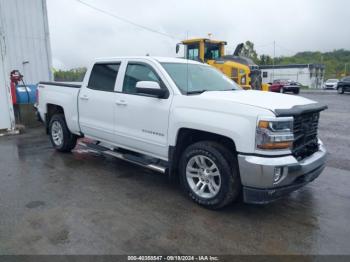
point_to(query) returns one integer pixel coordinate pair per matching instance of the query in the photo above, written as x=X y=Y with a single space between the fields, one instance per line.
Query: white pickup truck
x=187 y=120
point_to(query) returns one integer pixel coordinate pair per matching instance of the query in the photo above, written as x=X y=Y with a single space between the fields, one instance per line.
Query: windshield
x=191 y=78
x=332 y=80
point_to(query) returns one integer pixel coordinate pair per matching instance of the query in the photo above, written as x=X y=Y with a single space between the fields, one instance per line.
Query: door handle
x=84 y=97
x=121 y=103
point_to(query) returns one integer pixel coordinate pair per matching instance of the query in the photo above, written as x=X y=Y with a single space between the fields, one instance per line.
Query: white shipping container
x=25 y=46
x=310 y=75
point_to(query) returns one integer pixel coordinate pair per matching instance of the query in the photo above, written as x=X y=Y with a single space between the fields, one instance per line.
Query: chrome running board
x=154 y=164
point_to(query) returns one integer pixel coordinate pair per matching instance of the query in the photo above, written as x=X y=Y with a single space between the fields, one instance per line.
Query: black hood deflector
x=301 y=109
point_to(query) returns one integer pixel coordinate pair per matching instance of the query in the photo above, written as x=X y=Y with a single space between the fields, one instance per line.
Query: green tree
x=72 y=75
x=265 y=60
x=249 y=51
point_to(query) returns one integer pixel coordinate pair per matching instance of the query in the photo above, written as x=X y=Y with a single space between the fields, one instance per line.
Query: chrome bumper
x=257 y=175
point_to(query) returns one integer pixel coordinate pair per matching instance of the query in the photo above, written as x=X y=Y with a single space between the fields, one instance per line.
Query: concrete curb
x=9 y=132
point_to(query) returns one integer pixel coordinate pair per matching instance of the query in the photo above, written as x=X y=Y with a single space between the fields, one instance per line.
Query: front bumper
x=257 y=175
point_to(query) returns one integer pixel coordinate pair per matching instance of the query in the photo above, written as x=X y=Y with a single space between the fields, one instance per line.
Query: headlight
x=275 y=133
x=243 y=80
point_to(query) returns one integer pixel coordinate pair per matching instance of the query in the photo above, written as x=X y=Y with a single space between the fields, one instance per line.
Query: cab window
x=135 y=73
x=193 y=52
x=212 y=51
x=103 y=77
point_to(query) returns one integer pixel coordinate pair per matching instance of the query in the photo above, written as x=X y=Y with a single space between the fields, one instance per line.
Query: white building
x=311 y=75
x=24 y=46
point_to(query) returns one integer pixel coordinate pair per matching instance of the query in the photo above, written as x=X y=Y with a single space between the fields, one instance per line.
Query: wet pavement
x=83 y=203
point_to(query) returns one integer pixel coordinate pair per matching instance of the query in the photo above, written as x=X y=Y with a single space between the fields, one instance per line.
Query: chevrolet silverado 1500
x=188 y=120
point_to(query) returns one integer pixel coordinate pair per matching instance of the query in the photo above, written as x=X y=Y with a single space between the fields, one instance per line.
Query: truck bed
x=60 y=94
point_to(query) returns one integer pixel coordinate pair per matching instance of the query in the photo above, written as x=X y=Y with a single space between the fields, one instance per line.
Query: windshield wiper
x=195 y=92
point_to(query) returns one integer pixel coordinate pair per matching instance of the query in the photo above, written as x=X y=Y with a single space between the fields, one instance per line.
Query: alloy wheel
x=57 y=133
x=203 y=176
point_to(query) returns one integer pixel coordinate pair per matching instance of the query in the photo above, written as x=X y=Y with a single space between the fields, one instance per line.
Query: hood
x=267 y=100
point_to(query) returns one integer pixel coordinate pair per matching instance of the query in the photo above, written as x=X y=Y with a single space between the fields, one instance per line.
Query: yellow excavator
x=240 y=69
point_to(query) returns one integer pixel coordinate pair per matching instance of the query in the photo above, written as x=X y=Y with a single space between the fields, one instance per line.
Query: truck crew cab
x=187 y=119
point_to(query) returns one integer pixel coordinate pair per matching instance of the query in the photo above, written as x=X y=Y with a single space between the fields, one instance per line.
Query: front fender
x=238 y=127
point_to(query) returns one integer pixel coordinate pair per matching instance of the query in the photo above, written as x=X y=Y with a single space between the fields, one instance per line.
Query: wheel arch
x=51 y=110
x=188 y=136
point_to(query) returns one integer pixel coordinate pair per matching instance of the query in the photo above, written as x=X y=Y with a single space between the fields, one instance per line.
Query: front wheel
x=209 y=174
x=340 y=90
x=61 y=138
x=297 y=91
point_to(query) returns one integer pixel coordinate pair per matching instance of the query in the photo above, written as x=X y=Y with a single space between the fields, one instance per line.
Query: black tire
x=69 y=140
x=340 y=90
x=227 y=165
x=296 y=91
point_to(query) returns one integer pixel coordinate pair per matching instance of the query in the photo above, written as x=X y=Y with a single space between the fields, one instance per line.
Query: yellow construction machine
x=240 y=69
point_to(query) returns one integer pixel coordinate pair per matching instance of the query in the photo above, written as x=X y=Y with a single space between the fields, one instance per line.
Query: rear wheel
x=340 y=90
x=209 y=174
x=61 y=138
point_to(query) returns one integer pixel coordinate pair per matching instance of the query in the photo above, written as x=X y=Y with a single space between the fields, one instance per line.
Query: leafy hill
x=336 y=62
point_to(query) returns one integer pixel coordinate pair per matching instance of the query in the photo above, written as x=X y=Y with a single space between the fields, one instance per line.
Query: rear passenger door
x=97 y=101
x=142 y=121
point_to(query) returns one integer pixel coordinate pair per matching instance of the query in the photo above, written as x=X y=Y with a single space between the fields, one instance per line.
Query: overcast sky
x=79 y=33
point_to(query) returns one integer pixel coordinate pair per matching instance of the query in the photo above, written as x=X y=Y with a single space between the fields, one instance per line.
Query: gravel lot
x=81 y=203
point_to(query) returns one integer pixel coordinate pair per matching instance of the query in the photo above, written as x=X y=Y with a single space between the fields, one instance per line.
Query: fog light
x=277 y=174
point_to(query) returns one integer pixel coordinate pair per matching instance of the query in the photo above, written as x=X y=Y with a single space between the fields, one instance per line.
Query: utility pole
x=345 y=68
x=273 y=61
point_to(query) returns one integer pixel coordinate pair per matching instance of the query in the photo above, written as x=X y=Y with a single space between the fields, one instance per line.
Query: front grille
x=305 y=135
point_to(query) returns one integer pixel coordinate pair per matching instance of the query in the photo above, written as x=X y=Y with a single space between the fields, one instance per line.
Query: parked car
x=331 y=84
x=188 y=120
x=344 y=85
x=284 y=86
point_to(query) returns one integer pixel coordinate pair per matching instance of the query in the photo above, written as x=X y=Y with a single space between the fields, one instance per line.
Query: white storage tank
x=24 y=46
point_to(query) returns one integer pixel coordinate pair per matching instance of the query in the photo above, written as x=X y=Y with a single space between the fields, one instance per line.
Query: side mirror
x=177 y=48
x=150 y=88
